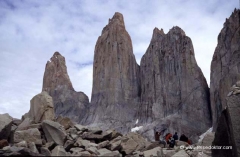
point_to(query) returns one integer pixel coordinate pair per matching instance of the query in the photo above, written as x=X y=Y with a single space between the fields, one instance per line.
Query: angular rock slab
x=59 y=151
x=54 y=132
x=41 y=108
x=30 y=135
x=5 y=125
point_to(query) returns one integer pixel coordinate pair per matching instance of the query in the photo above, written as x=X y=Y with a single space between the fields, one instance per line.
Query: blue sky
x=31 y=31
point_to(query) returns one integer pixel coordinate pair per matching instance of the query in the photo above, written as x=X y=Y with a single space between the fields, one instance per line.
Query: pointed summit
x=56 y=82
x=157 y=34
x=56 y=75
x=117 y=21
x=118 y=16
x=177 y=30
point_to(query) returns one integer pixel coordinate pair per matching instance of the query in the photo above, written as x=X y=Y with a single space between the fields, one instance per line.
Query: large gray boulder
x=5 y=125
x=41 y=108
x=56 y=82
x=54 y=132
x=116 y=84
x=225 y=66
x=30 y=135
x=173 y=87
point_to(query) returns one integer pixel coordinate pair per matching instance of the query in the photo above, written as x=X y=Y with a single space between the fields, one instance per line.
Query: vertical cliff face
x=116 y=86
x=67 y=102
x=225 y=66
x=174 y=92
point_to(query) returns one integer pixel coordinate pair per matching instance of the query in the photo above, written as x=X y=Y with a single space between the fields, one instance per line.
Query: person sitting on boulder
x=175 y=136
x=171 y=142
x=183 y=138
x=168 y=136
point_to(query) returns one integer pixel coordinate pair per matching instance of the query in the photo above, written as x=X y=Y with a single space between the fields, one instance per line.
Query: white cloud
x=31 y=31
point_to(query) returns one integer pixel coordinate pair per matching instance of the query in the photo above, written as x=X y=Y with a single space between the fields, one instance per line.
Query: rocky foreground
x=61 y=137
x=39 y=133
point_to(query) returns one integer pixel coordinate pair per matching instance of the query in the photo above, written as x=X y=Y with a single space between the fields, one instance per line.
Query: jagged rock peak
x=173 y=85
x=118 y=16
x=157 y=33
x=234 y=16
x=117 y=19
x=56 y=73
x=176 y=30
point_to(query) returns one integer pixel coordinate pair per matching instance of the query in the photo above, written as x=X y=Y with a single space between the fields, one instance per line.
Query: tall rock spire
x=116 y=85
x=174 y=92
x=225 y=66
x=67 y=102
x=55 y=74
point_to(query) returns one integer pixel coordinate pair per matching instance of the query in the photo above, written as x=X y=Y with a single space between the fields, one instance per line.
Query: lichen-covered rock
x=172 y=85
x=41 y=108
x=115 y=78
x=225 y=66
x=56 y=82
x=5 y=125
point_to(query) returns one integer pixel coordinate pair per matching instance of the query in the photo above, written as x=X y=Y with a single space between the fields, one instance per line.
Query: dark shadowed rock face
x=115 y=77
x=228 y=128
x=225 y=66
x=174 y=92
x=67 y=102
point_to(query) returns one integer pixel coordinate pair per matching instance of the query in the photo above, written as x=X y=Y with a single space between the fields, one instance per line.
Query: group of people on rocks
x=169 y=138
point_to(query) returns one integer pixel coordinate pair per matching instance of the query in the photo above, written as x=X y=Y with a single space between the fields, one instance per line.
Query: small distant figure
x=157 y=136
x=171 y=142
x=167 y=137
x=175 y=136
x=183 y=138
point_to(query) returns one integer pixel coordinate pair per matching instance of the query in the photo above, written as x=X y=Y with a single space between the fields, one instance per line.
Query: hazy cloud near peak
x=32 y=30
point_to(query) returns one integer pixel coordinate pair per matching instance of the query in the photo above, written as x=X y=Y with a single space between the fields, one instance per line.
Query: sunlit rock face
x=116 y=85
